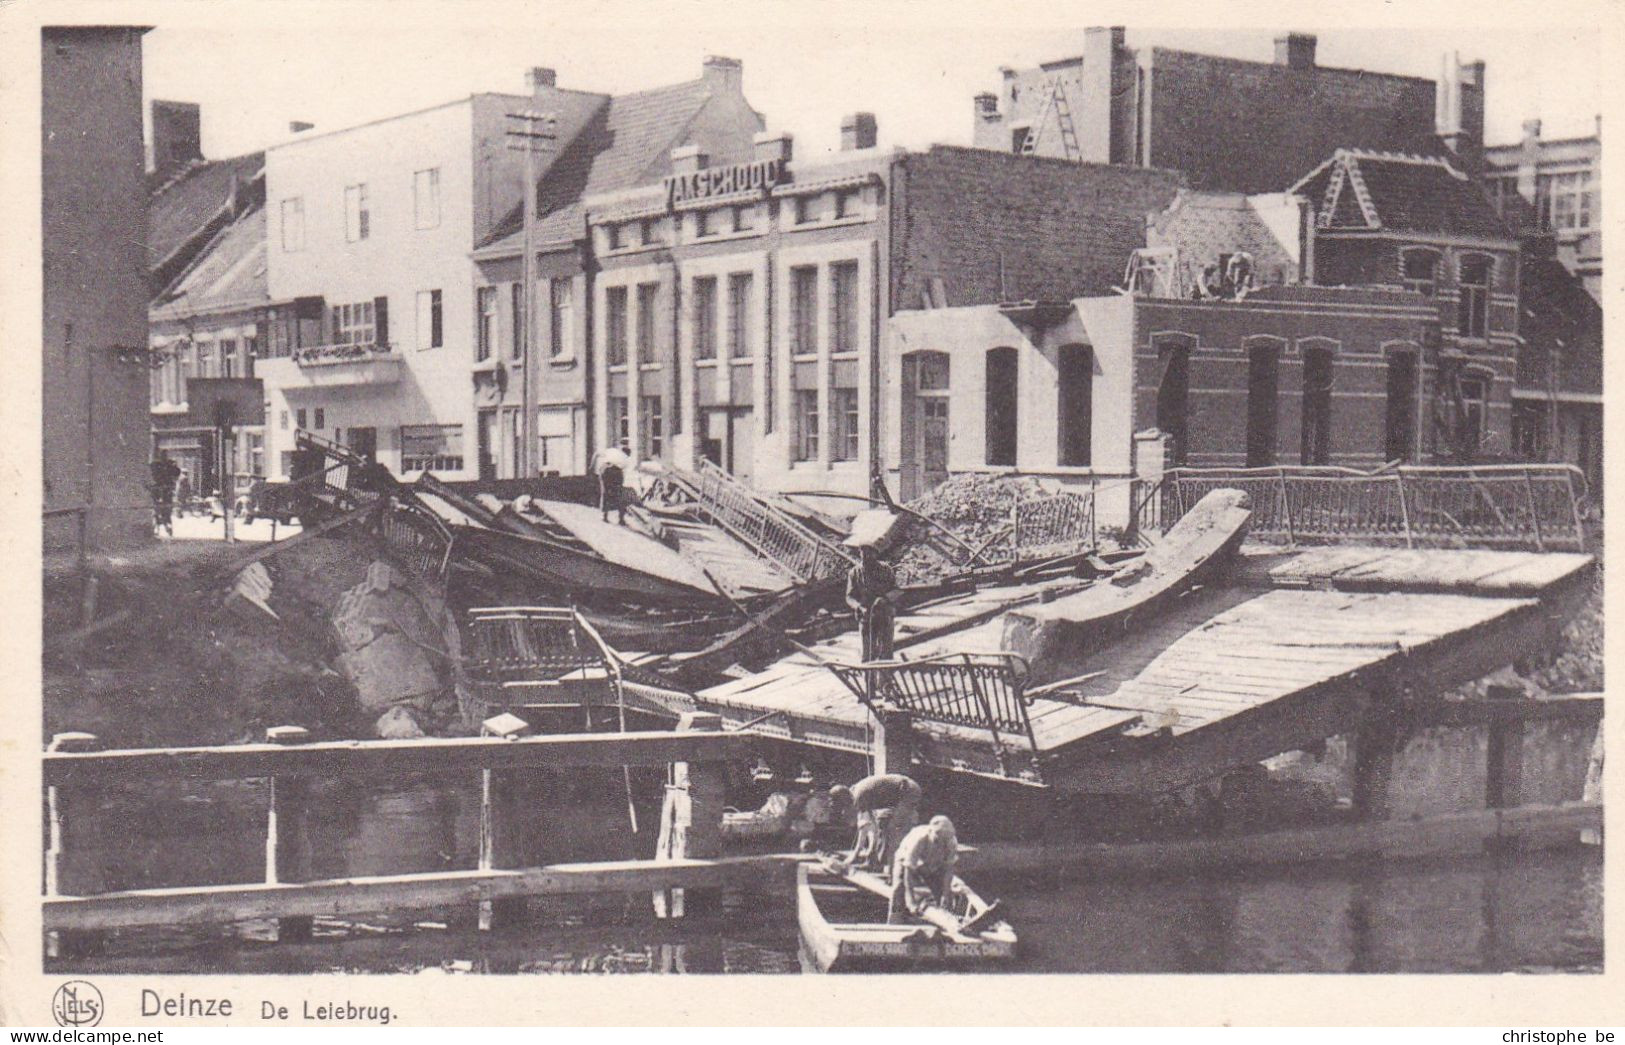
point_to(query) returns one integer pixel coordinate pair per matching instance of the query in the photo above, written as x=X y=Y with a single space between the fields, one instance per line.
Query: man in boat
x=922 y=872
x=611 y=468
x=887 y=807
x=869 y=586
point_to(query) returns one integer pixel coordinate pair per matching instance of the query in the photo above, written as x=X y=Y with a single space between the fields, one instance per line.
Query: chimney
x=1460 y=111
x=299 y=126
x=541 y=76
x=858 y=131
x=177 y=135
x=724 y=74
x=1097 y=83
x=1295 y=50
x=686 y=159
x=773 y=145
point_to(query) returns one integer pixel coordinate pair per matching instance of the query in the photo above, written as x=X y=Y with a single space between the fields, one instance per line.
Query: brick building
x=1242 y=126
x=94 y=397
x=1422 y=224
x=739 y=308
x=617 y=143
x=1553 y=186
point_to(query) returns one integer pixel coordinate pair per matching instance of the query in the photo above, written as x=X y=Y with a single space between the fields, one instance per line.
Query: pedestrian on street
x=165 y=473
x=183 y=493
x=611 y=468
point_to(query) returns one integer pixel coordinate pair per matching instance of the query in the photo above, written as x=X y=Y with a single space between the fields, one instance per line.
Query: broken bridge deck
x=1281 y=650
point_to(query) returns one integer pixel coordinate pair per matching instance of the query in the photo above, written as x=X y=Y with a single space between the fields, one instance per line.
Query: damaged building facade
x=741 y=309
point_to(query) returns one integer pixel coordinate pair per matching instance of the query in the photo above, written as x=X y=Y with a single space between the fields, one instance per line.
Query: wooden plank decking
x=1279 y=638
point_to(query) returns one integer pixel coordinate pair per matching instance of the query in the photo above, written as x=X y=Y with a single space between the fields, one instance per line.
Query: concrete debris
x=250 y=591
x=398 y=723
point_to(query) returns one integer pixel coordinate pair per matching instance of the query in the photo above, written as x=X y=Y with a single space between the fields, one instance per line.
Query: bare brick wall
x=1056 y=229
x=1257 y=127
x=1217 y=417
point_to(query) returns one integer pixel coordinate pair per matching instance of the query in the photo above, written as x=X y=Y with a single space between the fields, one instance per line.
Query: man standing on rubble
x=869 y=585
x=611 y=468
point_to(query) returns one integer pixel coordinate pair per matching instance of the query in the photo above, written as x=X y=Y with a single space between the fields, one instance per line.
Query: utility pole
x=530 y=131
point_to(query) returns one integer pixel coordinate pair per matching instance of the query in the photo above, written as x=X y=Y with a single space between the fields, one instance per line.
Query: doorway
x=1074 y=408
x=486 y=440
x=1173 y=396
x=1317 y=407
x=725 y=440
x=923 y=433
x=1401 y=420
x=363 y=442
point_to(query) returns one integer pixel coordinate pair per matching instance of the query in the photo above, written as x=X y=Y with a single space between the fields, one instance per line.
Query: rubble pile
x=974 y=508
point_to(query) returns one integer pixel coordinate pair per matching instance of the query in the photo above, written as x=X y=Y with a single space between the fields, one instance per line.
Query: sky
x=917 y=65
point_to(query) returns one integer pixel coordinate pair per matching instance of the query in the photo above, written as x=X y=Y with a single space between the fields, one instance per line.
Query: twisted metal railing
x=775 y=536
x=1060 y=524
x=1490 y=506
x=984 y=691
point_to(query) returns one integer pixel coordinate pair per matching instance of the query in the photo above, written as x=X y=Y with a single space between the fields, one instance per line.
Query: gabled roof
x=184 y=206
x=228 y=273
x=627 y=143
x=1399 y=192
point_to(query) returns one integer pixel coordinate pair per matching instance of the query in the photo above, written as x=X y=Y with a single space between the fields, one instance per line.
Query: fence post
x=287 y=841
x=63 y=806
x=504 y=844
x=1286 y=507
x=1574 y=509
x=691 y=819
x=1534 y=510
x=1503 y=778
x=1377 y=744
x=894 y=735
x=1404 y=509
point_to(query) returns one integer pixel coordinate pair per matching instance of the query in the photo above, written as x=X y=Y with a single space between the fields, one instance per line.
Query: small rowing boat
x=840 y=931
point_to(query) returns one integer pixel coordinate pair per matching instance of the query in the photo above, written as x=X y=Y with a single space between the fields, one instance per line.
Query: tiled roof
x=1399 y=192
x=185 y=204
x=229 y=272
x=1557 y=314
x=626 y=143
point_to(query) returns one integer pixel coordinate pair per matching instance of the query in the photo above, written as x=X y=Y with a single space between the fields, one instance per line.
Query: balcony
x=327 y=366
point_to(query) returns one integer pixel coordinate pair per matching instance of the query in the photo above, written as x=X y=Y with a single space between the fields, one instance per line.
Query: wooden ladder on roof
x=1063 y=119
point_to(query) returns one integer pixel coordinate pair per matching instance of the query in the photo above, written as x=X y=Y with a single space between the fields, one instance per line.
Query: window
x=739 y=315
x=620 y=425
x=356 y=217
x=804 y=311
x=1419 y=271
x=649 y=232
x=652 y=425
x=806 y=406
x=646 y=321
x=321 y=419
x=615 y=236
x=847 y=202
x=293 y=225
x=520 y=320
x=1565 y=200
x=431 y=320
x=744 y=217
x=843 y=307
x=1470 y=427
x=807 y=209
x=1075 y=414
x=1317 y=406
x=431 y=448
x=1018 y=139
x=615 y=325
x=228 y=357
x=355 y=324
x=1473 y=304
x=561 y=312
x=1263 y=393
x=844 y=405
x=1401 y=407
x=1001 y=419
x=703 y=224
x=426 y=198
x=486 y=335
x=300 y=417
x=705 y=318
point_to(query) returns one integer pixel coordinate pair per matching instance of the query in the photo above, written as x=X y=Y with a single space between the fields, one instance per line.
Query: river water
x=1507 y=912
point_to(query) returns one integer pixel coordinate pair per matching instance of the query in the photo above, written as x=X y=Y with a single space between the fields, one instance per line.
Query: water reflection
x=1507 y=911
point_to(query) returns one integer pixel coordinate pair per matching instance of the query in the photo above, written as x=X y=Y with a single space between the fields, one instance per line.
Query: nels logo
x=77 y=1004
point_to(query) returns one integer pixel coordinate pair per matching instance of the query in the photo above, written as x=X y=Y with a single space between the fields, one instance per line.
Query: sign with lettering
x=724 y=181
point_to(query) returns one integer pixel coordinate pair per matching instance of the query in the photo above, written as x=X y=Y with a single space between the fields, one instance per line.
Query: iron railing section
x=984 y=691
x=554 y=648
x=1060 y=524
x=343 y=352
x=415 y=537
x=1535 y=507
x=769 y=532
